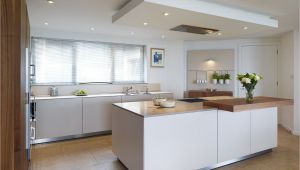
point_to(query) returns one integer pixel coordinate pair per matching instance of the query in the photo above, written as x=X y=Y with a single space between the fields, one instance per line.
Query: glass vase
x=249 y=96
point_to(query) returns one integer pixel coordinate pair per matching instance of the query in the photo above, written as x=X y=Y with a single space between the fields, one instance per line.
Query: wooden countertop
x=239 y=104
x=147 y=109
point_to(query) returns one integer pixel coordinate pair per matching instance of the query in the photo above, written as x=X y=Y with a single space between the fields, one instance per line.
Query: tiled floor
x=95 y=154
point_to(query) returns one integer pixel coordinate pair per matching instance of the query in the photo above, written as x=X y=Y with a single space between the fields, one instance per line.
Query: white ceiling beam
x=125 y=9
x=207 y=8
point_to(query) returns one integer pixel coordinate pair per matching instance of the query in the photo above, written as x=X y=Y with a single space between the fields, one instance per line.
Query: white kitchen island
x=189 y=136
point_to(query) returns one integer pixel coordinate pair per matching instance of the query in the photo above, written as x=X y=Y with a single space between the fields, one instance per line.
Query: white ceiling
x=80 y=15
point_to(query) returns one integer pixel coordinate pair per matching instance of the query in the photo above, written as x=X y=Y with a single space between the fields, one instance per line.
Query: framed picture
x=157 y=57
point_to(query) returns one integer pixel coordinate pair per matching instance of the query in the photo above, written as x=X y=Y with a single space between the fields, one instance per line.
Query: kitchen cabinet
x=263 y=129
x=233 y=135
x=59 y=117
x=97 y=113
x=71 y=115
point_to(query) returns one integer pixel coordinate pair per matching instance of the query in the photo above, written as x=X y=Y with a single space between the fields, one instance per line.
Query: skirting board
x=47 y=140
x=237 y=160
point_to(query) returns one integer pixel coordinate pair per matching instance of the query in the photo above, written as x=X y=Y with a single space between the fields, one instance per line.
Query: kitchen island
x=193 y=135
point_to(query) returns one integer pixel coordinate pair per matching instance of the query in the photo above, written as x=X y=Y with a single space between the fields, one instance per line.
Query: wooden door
x=14 y=29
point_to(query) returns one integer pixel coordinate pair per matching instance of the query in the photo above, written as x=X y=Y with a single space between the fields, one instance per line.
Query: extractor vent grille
x=194 y=29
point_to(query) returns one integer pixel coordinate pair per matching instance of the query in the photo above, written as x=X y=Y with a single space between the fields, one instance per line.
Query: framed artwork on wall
x=157 y=57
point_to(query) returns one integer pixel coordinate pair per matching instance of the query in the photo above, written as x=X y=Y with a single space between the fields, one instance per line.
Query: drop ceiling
x=81 y=15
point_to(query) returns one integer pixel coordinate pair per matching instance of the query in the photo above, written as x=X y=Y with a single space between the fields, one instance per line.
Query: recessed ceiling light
x=219 y=33
x=132 y=33
x=92 y=29
x=145 y=23
x=165 y=14
x=245 y=28
x=50 y=1
x=46 y=23
x=163 y=37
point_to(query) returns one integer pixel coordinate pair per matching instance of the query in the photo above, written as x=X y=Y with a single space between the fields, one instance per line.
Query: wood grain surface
x=14 y=35
x=239 y=104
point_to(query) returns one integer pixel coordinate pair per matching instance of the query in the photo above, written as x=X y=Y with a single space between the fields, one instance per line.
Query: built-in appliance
x=29 y=114
x=192 y=100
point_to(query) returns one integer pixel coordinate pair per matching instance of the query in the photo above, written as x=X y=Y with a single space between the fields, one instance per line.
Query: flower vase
x=249 y=96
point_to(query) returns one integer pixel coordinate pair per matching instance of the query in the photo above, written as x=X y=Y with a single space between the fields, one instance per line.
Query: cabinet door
x=263 y=129
x=97 y=113
x=181 y=141
x=58 y=117
x=233 y=135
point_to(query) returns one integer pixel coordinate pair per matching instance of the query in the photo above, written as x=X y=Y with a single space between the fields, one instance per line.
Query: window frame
x=145 y=64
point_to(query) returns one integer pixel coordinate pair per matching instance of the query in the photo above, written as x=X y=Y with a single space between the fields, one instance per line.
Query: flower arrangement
x=249 y=82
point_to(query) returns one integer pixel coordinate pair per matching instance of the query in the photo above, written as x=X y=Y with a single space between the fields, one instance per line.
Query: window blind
x=128 y=63
x=53 y=60
x=94 y=62
x=65 y=61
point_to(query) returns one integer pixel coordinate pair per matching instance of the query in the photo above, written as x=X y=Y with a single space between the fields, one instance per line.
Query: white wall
x=197 y=60
x=286 y=79
x=171 y=77
x=228 y=44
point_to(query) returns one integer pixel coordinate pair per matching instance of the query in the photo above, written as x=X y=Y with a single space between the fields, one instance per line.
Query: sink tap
x=127 y=90
x=147 y=90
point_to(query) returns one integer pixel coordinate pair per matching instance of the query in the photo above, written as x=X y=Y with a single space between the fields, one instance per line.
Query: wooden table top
x=147 y=109
x=239 y=104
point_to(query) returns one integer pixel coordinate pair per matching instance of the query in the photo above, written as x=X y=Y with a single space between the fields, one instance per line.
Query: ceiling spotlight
x=219 y=33
x=145 y=23
x=165 y=14
x=132 y=33
x=46 y=23
x=245 y=28
x=50 y=1
x=163 y=37
x=92 y=29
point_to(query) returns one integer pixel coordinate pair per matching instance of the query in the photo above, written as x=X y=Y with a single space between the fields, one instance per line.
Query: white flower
x=257 y=78
x=246 y=80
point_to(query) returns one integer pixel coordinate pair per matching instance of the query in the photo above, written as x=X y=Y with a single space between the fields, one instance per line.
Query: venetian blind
x=64 y=61
x=53 y=60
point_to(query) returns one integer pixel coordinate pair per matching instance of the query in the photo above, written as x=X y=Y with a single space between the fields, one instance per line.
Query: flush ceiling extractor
x=194 y=29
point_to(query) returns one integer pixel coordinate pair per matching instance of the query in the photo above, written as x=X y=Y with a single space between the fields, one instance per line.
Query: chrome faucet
x=127 y=90
x=147 y=90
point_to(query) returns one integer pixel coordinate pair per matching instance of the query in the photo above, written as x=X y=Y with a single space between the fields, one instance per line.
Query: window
x=64 y=61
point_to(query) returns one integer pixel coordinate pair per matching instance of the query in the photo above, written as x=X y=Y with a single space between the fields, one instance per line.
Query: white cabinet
x=59 y=117
x=181 y=141
x=97 y=113
x=233 y=135
x=263 y=129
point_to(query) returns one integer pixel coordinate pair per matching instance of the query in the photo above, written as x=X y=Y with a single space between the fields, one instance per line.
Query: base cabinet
x=263 y=129
x=59 y=117
x=233 y=135
x=97 y=113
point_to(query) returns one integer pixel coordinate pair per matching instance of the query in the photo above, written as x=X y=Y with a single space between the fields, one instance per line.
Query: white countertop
x=95 y=95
